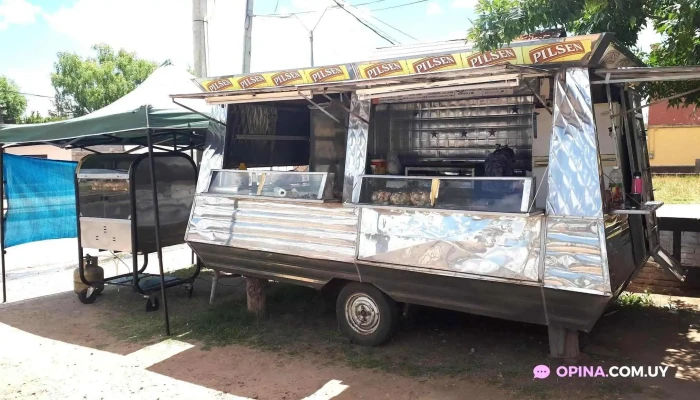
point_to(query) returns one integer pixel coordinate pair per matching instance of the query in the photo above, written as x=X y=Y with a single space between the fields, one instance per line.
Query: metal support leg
x=214 y=282
x=156 y=220
x=2 y=224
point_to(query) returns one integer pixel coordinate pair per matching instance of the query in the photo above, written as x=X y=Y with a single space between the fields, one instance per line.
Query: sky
x=32 y=32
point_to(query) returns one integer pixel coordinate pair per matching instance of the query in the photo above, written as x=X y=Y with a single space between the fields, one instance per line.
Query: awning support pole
x=675 y=96
x=544 y=103
x=199 y=113
x=156 y=220
x=344 y=107
x=319 y=108
x=2 y=223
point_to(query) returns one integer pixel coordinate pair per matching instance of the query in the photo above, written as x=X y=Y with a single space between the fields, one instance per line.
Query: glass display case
x=309 y=186
x=503 y=195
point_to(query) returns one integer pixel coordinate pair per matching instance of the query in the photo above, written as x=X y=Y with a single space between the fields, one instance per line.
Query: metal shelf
x=481 y=128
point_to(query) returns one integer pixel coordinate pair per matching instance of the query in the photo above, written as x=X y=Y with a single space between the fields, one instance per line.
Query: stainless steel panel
x=106 y=234
x=575 y=255
x=214 y=145
x=575 y=175
x=356 y=153
x=454 y=130
x=495 y=246
x=328 y=145
x=327 y=231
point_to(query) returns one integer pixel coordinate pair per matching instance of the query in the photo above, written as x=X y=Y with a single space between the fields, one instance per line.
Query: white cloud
x=17 y=12
x=34 y=81
x=162 y=29
x=433 y=8
x=464 y=3
x=154 y=29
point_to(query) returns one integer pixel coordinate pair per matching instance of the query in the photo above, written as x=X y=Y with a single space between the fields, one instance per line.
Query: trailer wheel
x=366 y=315
x=85 y=298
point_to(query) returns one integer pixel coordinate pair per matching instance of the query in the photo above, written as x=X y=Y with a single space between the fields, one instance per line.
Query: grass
x=301 y=324
x=677 y=189
x=635 y=301
x=431 y=344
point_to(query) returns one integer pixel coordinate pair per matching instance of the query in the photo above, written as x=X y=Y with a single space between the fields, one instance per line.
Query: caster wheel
x=152 y=304
x=366 y=315
x=86 y=298
x=189 y=288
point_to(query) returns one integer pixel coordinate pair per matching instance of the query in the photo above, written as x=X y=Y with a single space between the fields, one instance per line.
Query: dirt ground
x=297 y=349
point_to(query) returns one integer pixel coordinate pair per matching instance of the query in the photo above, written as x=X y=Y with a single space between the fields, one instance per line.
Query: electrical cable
x=400 y=5
x=273 y=15
x=364 y=23
x=35 y=95
x=396 y=29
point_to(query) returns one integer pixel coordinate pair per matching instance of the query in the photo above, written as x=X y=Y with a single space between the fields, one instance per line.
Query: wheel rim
x=362 y=314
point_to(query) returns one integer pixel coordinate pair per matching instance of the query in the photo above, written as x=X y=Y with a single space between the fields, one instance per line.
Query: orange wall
x=673 y=145
x=51 y=152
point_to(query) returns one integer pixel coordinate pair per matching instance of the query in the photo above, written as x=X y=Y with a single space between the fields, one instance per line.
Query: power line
x=274 y=15
x=399 y=5
x=394 y=28
x=36 y=95
x=364 y=23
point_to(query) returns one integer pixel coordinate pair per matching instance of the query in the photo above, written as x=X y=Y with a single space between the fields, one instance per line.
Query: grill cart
x=400 y=204
x=115 y=212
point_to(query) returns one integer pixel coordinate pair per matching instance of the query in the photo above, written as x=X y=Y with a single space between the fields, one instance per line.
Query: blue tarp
x=40 y=199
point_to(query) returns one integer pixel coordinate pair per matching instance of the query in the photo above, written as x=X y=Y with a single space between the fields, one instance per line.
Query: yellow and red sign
x=568 y=50
x=506 y=55
x=435 y=63
x=561 y=50
x=382 y=69
x=333 y=73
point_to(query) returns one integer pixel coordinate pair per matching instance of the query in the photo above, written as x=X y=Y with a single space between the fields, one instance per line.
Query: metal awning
x=470 y=78
x=646 y=74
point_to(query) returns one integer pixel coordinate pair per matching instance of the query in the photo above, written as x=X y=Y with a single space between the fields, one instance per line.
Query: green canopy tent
x=146 y=117
x=148 y=107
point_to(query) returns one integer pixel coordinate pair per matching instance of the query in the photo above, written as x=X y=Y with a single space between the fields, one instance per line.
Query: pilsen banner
x=576 y=48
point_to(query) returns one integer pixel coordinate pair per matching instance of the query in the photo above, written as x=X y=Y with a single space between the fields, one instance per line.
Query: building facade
x=674 y=138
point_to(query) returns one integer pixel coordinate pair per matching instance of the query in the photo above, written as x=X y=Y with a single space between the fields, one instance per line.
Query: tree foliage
x=12 y=103
x=85 y=85
x=498 y=22
x=35 y=118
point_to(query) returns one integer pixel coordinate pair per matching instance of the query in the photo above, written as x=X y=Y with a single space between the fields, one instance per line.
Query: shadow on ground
x=436 y=353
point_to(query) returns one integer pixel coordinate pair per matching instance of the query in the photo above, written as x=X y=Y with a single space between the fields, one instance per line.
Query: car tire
x=366 y=315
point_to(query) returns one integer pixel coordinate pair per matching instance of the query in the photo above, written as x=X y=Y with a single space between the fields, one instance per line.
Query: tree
x=85 y=85
x=500 y=21
x=12 y=102
x=36 y=118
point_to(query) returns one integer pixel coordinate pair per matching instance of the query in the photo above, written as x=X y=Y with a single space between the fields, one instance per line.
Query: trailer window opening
x=290 y=135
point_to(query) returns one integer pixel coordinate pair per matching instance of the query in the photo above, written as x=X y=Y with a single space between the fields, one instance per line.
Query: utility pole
x=247 y=35
x=311 y=31
x=255 y=287
x=199 y=33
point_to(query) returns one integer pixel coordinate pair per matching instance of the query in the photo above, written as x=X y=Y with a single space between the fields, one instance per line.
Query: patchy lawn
x=677 y=189
x=431 y=343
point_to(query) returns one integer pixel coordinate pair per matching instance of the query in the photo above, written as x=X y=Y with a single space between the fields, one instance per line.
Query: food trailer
x=391 y=195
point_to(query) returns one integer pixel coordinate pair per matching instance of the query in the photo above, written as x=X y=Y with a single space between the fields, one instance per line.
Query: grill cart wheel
x=152 y=303
x=87 y=296
x=189 y=288
x=366 y=315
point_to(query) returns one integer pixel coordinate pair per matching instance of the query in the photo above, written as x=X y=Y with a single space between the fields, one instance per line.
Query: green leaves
x=12 y=103
x=85 y=85
x=500 y=21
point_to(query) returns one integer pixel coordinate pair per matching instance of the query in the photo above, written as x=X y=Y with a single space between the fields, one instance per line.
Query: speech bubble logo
x=541 y=371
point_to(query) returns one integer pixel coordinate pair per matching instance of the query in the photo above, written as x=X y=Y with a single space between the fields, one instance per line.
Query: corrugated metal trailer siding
x=327 y=231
